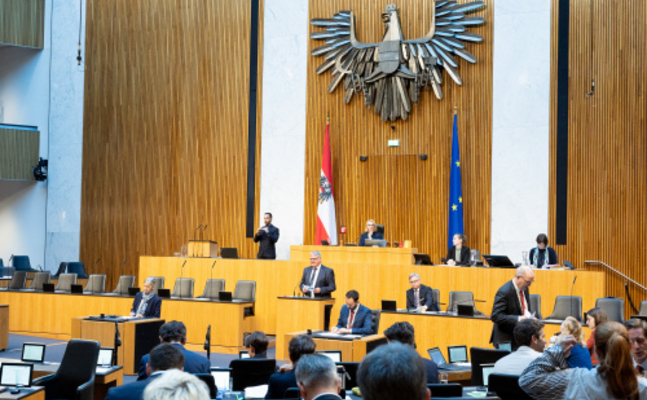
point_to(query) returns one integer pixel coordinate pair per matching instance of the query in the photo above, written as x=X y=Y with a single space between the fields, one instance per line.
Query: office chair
x=21 y=263
x=183 y=288
x=614 y=307
x=18 y=281
x=96 y=284
x=77 y=267
x=212 y=288
x=375 y=320
x=62 y=267
x=65 y=282
x=74 y=379
x=507 y=387
x=535 y=304
x=208 y=380
x=251 y=372
x=567 y=306
x=482 y=355
x=125 y=282
x=7 y=271
x=246 y=291
x=462 y=298
x=39 y=279
x=643 y=308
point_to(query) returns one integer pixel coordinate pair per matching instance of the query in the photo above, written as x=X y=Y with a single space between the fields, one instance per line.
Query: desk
x=298 y=314
x=138 y=338
x=32 y=393
x=355 y=254
x=4 y=282
x=351 y=350
x=4 y=327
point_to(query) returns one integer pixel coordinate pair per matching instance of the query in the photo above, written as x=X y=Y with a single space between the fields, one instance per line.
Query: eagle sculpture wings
x=390 y=74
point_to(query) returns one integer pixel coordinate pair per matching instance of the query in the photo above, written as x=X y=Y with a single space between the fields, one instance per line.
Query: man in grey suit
x=419 y=297
x=318 y=281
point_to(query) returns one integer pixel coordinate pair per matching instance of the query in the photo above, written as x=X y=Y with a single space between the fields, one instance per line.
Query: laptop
x=76 y=289
x=498 y=261
x=33 y=352
x=457 y=354
x=229 y=252
x=15 y=374
x=243 y=354
x=422 y=259
x=132 y=291
x=164 y=293
x=465 y=310
x=222 y=378
x=389 y=305
x=507 y=346
x=486 y=370
x=224 y=296
x=106 y=356
x=375 y=242
x=48 y=287
x=334 y=355
x=325 y=243
x=438 y=357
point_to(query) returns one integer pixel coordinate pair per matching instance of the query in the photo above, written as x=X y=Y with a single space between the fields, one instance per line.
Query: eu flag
x=455 y=190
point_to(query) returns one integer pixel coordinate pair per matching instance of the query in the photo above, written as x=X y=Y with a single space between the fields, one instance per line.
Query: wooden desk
x=4 y=282
x=351 y=350
x=138 y=337
x=4 y=327
x=298 y=314
x=354 y=254
x=32 y=393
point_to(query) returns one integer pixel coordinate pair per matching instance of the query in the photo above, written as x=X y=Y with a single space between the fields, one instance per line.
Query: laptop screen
x=15 y=374
x=457 y=353
x=505 y=346
x=105 y=356
x=242 y=354
x=33 y=352
x=436 y=356
x=334 y=355
x=221 y=376
x=486 y=369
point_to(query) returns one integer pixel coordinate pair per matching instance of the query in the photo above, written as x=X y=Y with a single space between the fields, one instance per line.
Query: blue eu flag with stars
x=455 y=190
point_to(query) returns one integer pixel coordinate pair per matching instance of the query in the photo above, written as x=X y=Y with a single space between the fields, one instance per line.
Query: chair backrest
x=65 y=282
x=61 y=269
x=158 y=282
x=535 y=304
x=7 y=271
x=125 y=281
x=21 y=263
x=614 y=308
x=445 y=389
x=250 y=372
x=77 y=367
x=292 y=393
x=212 y=288
x=506 y=387
x=1 y=263
x=18 y=280
x=435 y=295
x=183 y=288
x=482 y=355
x=380 y=228
x=39 y=279
x=375 y=320
x=462 y=298
x=209 y=380
x=77 y=267
x=245 y=290
x=567 y=306
x=643 y=308
x=96 y=284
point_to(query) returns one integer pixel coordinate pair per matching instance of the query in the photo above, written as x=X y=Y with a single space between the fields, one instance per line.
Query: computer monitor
x=224 y=296
x=334 y=355
x=14 y=374
x=507 y=346
x=49 y=287
x=389 y=305
x=229 y=252
x=486 y=370
x=132 y=291
x=242 y=354
x=106 y=356
x=164 y=293
x=375 y=242
x=498 y=261
x=33 y=352
x=465 y=310
x=222 y=377
x=76 y=289
x=422 y=259
x=457 y=354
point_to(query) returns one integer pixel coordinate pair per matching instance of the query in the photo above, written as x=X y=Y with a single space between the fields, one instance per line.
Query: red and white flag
x=326 y=220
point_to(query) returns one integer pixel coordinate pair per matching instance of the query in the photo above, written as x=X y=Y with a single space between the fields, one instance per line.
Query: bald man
x=511 y=305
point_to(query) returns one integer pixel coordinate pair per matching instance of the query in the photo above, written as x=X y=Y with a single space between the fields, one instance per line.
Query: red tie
x=523 y=303
x=640 y=369
x=352 y=315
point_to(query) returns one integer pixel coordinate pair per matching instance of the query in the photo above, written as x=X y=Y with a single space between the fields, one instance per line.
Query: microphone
x=202 y=239
x=10 y=258
x=568 y=264
x=207 y=342
x=211 y=276
x=572 y=287
x=294 y=293
x=182 y=276
x=117 y=343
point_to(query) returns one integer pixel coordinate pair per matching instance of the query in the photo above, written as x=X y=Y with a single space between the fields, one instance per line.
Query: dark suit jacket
x=505 y=313
x=552 y=257
x=325 y=281
x=364 y=237
x=193 y=363
x=260 y=356
x=267 y=249
x=362 y=323
x=130 y=391
x=153 y=309
x=465 y=255
x=426 y=299
x=432 y=371
x=328 y=396
x=279 y=383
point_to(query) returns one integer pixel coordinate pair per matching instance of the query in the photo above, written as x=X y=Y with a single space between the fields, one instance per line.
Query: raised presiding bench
x=354 y=254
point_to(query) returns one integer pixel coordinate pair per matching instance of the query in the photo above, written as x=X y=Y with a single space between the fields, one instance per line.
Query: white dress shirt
x=516 y=362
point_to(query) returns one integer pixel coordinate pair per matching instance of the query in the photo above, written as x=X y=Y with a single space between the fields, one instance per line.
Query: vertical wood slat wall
x=165 y=128
x=18 y=153
x=607 y=153
x=394 y=187
x=22 y=22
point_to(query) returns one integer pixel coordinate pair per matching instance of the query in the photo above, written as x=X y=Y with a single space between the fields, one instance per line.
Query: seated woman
x=580 y=357
x=146 y=304
x=370 y=234
x=594 y=318
x=542 y=254
x=458 y=254
x=549 y=377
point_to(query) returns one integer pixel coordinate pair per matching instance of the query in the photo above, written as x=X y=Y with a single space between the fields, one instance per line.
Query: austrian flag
x=326 y=219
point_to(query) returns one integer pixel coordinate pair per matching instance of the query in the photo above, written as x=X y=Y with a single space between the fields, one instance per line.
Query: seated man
x=317 y=377
x=393 y=371
x=354 y=317
x=285 y=379
x=404 y=333
x=529 y=335
x=419 y=297
x=637 y=331
x=163 y=357
x=256 y=345
x=174 y=332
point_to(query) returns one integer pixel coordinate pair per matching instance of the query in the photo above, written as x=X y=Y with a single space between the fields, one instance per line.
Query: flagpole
x=455 y=109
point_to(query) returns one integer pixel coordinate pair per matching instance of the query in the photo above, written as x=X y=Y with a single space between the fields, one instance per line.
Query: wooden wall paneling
x=18 y=153
x=22 y=23
x=607 y=171
x=165 y=128
x=394 y=187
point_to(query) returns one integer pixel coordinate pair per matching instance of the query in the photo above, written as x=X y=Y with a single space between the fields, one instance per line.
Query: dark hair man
x=282 y=381
x=403 y=332
x=268 y=235
x=354 y=318
x=529 y=336
x=256 y=345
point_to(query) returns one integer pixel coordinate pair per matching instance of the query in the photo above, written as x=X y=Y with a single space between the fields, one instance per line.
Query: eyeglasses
x=528 y=282
x=414 y=281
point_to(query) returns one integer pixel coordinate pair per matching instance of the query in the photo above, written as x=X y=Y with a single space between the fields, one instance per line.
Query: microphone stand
x=202 y=240
x=211 y=279
x=117 y=343
x=207 y=342
x=572 y=287
x=182 y=277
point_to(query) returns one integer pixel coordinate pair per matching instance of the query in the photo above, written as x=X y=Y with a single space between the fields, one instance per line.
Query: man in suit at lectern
x=318 y=281
x=268 y=235
x=511 y=305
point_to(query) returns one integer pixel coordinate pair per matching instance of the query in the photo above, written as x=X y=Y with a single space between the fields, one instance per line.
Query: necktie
x=416 y=300
x=312 y=276
x=350 y=322
x=523 y=303
x=640 y=369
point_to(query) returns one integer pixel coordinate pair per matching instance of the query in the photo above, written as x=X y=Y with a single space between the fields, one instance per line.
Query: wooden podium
x=138 y=337
x=203 y=249
x=298 y=314
x=351 y=350
x=4 y=327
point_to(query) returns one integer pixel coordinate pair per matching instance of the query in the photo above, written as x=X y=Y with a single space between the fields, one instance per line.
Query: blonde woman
x=371 y=233
x=580 y=357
